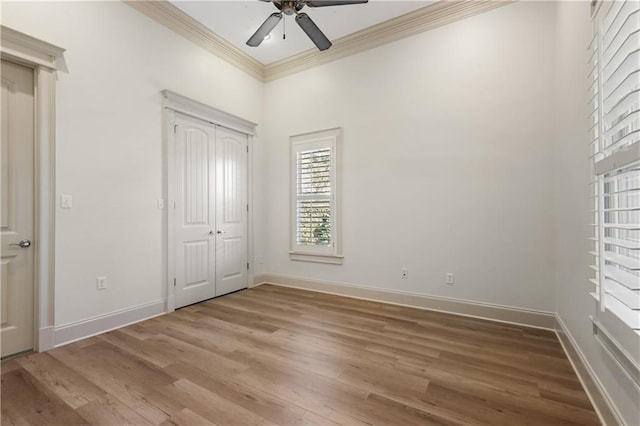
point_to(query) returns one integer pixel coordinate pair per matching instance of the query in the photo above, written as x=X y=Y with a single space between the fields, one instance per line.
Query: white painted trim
x=316 y=257
x=493 y=312
x=176 y=20
x=79 y=330
x=45 y=203
x=174 y=103
x=46 y=337
x=29 y=49
x=251 y=140
x=169 y=118
x=421 y=20
x=602 y=403
x=195 y=109
x=43 y=58
x=171 y=303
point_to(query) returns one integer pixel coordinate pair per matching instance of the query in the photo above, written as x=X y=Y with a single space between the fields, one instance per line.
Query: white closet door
x=194 y=243
x=16 y=217
x=231 y=212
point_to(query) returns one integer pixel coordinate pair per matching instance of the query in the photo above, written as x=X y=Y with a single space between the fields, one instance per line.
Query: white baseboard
x=90 y=327
x=595 y=391
x=46 y=338
x=506 y=314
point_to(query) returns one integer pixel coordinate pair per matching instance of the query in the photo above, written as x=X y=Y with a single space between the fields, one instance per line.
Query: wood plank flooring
x=280 y=356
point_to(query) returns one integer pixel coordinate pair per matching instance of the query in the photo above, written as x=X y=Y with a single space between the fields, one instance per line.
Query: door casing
x=173 y=104
x=45 y=59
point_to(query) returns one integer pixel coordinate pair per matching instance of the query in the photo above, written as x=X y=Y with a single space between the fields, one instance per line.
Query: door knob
x=22 y=244
x=210 y=232
x=219 y=231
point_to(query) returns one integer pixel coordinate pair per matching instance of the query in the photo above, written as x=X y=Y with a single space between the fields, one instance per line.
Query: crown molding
x=176 y=20
x=424 y=19
x=418 y=21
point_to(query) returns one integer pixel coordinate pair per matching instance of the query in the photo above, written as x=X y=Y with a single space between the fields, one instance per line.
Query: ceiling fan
x=302 y=19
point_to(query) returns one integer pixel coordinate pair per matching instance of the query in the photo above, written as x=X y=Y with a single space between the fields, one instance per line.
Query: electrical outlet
x=160 y=204
x=101 y=283
x=450 y=278
x=404 y=273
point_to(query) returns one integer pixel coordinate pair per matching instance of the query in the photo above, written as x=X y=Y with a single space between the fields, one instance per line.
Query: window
x=314 y=197
x=615 y=149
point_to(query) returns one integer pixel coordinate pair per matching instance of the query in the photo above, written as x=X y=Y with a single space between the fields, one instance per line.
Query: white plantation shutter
x=314 y=193
x=621 y=75
x=614 y=140
x=314 y=197
x=621 y=242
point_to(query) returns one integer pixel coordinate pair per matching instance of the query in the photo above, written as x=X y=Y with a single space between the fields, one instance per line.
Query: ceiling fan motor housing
x=291 y=7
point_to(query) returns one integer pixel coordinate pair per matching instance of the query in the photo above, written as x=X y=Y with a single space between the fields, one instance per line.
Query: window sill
x=316 y=258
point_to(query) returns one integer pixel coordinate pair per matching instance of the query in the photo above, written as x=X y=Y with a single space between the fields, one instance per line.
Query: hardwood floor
x=273 y=355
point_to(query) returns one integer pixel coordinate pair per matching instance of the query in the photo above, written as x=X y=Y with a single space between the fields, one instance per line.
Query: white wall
x=574 y=305
x=447 y=159
x=109 y=150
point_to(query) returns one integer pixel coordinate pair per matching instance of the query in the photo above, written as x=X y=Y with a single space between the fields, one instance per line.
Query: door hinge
x=247 y=148
x=174 y=282
x=247 y=266
x=175 y=126
x=247 y=207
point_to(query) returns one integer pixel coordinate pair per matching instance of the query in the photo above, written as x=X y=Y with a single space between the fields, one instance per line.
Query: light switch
x=66 y=201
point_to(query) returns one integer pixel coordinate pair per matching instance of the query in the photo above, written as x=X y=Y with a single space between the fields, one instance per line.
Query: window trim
x=330 y=254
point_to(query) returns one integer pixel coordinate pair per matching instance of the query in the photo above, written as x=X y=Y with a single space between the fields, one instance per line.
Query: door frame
x=45 y=59
x=174 y=103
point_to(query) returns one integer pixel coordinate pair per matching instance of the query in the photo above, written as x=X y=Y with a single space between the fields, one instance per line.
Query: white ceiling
x=236 y=21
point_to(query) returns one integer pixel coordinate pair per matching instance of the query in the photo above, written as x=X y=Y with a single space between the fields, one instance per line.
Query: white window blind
x=614 y=139
x=314 y=197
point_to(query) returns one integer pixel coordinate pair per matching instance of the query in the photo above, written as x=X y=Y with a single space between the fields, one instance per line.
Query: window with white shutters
x=314 y=197
x=313 y=187
x=614 y=139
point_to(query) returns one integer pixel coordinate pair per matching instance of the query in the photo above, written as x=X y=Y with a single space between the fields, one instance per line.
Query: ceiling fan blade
x=264 y=30
x=324 y=3
x=312 y=30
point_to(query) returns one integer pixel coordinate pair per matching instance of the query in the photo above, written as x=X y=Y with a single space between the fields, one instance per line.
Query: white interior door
x=231 y=211
x=210 y=175
x=16 y=209
x=194 y=242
